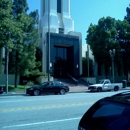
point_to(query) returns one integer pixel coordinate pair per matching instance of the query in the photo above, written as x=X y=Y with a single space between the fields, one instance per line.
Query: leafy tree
x=127 y=17
x=124 y=38
x=24 y=52
x=123 y=28
x=8 y=27
x=102 y=38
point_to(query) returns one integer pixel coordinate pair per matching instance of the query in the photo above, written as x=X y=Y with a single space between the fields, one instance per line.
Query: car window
x=109 y=109
x=45 y=83
x=107 y=115
x=51 y=84
x=101 y=81
x=57 y=83
x=107 y=82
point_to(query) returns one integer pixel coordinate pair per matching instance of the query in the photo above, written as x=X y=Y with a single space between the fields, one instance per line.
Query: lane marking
x=43 y=107
x=39 y=99
x=44 y=122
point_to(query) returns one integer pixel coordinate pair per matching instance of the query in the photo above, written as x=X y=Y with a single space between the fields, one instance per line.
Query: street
x=46 y=112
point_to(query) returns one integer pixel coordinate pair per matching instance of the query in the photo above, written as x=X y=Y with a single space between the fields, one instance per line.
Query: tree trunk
x=16 y=68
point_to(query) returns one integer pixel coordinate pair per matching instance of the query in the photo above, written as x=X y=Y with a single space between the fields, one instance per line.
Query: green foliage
x=23 y=58
x=42 y=74
x=7 y=25
x=102 y=38
x=19 y=32
x=125 y=41
x=111 y=34
x=127 y=17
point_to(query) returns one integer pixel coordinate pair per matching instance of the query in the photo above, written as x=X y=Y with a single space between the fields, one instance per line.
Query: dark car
x=1 y=89
x=48 y=87
x=110 y=113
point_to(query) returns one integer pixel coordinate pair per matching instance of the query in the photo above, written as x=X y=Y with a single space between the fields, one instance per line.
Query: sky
x=85 y=12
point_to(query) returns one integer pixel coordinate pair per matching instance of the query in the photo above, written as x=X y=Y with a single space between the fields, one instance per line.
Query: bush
x=9 y=88
x=30 y=83
x=42 y=74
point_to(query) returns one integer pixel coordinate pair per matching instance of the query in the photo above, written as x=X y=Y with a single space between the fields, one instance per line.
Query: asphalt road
x=47 y=112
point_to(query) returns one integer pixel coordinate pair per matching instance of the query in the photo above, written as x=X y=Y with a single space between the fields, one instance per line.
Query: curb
x=24 y=94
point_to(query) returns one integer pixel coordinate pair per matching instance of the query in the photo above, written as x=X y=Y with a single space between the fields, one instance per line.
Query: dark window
x=57 y=83
x=40 y=35
x=61 y=30
x=61 y=54
x=107 y=115
x=109 y=110
x=58 y=6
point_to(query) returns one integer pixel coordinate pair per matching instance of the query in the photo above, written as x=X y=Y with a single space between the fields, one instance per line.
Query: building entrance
x=63 y=61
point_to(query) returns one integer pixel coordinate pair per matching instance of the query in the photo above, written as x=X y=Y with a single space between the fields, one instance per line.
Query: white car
x=105 y=85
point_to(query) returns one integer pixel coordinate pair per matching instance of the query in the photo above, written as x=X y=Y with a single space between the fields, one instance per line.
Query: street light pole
x=88 y=58
x=7 y=62
x=48 y=40
x=112 y=55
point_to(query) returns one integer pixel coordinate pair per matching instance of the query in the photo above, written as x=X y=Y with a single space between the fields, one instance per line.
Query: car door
x=45 y=88
x=107 y=85
x=56 y=88
x=50 y=87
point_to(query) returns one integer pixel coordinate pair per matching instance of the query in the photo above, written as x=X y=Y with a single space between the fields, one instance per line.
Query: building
x=57 y=26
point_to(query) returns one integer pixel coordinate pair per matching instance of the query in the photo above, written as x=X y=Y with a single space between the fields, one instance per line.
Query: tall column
x=66 y=8
x=53 y=6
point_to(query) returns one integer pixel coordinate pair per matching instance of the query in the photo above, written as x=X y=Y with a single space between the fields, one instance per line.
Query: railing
x=72 y=78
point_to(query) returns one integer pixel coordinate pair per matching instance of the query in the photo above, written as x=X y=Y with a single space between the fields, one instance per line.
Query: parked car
x=109 y=113
x=1 y=89
x=48 y=87
x=105 y=85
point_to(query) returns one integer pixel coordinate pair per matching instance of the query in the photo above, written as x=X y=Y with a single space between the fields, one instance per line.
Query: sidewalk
x=73 y=89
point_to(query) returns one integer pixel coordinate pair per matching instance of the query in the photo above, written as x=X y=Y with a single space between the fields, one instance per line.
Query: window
x=40 y=35
x=61 y=30
x=58 y=6
x=107 y=115
x=108 y=110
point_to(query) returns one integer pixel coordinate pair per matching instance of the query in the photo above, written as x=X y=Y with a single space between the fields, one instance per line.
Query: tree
x=102 y=38
x=123 y=28
x=127 y=17
x=23 y=56
x=8 y=27
x=124 y=38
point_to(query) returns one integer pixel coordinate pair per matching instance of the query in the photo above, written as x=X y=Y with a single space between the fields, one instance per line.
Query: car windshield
x=101 y=81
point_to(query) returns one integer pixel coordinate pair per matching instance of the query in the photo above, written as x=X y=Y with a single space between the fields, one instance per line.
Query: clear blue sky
x=84 y=12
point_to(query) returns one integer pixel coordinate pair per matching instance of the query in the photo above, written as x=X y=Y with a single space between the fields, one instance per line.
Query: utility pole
x=88 y=57
x=48 y=40
x=112 y=55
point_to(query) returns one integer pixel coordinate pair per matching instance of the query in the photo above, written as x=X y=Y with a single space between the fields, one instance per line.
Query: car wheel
x=99 y=89
x=36 y=92
x=116 y=88
x=62 y=91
